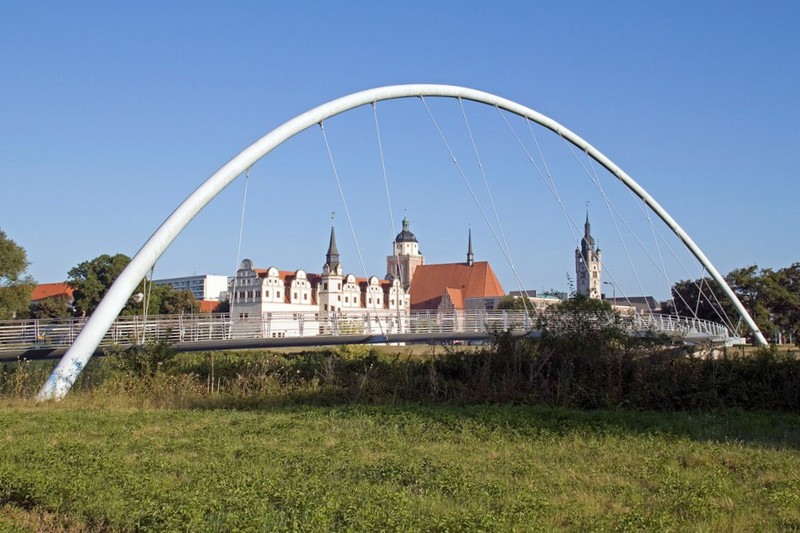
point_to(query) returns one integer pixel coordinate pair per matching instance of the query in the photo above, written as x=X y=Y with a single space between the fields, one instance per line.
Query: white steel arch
x=64 y=375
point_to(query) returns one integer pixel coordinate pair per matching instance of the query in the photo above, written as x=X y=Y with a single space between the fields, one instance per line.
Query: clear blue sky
x=113 y=112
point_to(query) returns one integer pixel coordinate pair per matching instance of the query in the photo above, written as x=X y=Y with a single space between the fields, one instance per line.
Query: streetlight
x=614 y=290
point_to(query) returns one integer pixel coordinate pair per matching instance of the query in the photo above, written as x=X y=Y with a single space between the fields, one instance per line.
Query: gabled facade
x=259 y=291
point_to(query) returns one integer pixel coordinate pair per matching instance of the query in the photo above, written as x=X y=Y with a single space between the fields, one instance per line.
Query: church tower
x=470 y=257
x=330 y=288
x=588 y=268
x=405 y=258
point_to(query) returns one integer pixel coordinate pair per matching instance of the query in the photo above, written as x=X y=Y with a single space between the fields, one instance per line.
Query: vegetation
x=16 y=286
x=772 y=297
x=410 y=468
x=522 y=303
x=450 y=439
x=92 y=279
x=53 y=307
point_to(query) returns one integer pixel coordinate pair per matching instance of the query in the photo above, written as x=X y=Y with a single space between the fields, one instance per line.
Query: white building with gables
x=257 y=293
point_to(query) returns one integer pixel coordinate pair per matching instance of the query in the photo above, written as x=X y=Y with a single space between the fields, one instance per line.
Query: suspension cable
x=232 y=297
x=610 y=205
x=349 y=220
x=723 y=315
x=522 y=289
x=472 y=192
x=386 y=187
x=146 y=302
x=596 y=180
x=402 y=296
x=571 y=225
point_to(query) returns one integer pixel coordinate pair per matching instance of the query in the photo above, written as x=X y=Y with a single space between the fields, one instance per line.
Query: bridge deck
x=38 y=339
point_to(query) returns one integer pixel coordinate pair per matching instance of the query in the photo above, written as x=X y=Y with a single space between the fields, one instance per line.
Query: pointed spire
x=469 y=249
x=586 y=226
x=587 y=243
x=332 y=257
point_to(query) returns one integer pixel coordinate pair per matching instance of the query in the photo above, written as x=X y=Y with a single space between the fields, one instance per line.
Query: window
x=305 y=296
x=325 y=286
x=346 y=300
x=326 y=307
x=277 y=294
x=294 y=296
x=266 y=294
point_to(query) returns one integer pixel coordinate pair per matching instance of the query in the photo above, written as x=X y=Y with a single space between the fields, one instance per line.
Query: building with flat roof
x=208 y=287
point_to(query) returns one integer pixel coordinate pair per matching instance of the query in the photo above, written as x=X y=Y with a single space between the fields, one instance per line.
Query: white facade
x=257 y=293
x=204 y=287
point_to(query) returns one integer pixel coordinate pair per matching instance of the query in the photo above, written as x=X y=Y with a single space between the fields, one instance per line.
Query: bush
x=144 y=360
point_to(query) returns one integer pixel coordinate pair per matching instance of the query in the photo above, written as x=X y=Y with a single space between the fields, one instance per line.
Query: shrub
x=144 y=360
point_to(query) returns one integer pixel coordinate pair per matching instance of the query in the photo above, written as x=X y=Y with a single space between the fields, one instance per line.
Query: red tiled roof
x=430 y=282
x=49 y=290
x=456 y=297
x=208 y=306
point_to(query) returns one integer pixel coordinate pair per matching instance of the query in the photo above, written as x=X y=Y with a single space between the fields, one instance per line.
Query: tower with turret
x=405 y=258
x=329 y=291
x=588 y=267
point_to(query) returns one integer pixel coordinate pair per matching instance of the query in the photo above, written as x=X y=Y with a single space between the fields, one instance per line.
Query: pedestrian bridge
x=39 y=339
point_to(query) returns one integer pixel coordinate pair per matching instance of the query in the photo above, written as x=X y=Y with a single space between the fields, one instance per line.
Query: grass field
x=95 y=463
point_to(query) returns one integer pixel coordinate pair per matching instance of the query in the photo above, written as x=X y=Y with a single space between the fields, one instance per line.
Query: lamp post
x=613 y=289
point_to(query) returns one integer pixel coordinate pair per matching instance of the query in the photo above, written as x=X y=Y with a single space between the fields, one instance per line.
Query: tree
x=53 y=307
x=702 y=298
x=92 y=279
x=772 y=298
x=163 y=300
x=516 y=304
x=174 y=302
x=16 y=286
x=782 y=295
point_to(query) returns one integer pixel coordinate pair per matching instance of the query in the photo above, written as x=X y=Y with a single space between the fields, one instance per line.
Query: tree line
x=772 y=297
x=89 y=280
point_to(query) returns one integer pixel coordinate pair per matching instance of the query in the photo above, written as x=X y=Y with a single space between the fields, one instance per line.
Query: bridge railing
x=49 y=333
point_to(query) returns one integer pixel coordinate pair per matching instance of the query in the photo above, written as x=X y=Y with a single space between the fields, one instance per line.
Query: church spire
x=587 y=243
x=587 y=228
x=469 y=249
x=332 y=257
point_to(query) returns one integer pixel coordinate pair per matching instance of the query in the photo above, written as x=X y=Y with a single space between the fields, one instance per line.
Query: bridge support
x=64 y=375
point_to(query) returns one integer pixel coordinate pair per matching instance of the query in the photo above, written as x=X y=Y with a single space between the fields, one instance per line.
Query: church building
x=455 y=286
x=588 y=267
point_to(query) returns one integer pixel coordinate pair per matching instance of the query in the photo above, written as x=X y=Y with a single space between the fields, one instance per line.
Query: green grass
x=96 y=463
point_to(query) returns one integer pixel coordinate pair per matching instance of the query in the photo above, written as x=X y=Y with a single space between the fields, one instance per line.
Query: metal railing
x=48 y=333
